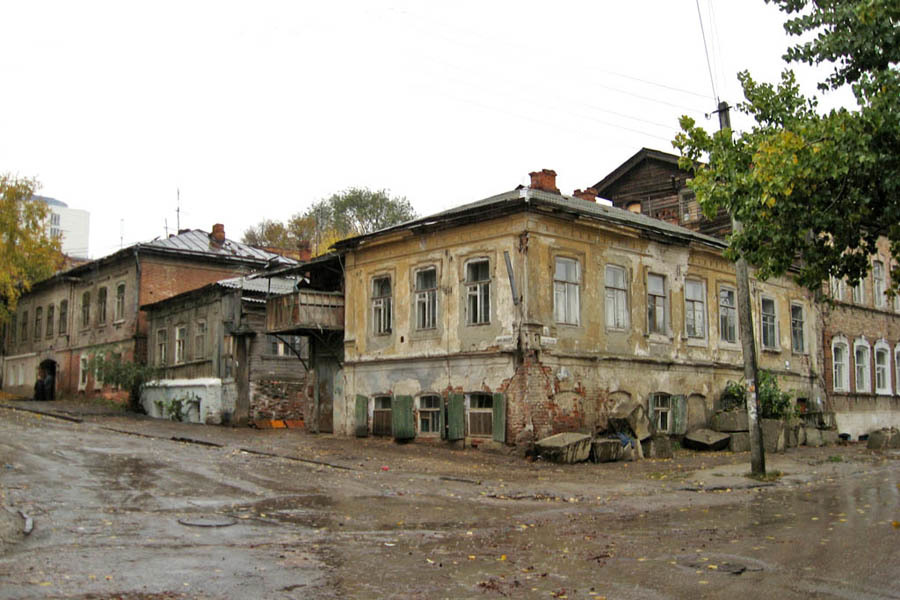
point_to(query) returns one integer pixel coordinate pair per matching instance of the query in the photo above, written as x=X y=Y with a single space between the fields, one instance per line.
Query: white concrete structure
x=72 y=225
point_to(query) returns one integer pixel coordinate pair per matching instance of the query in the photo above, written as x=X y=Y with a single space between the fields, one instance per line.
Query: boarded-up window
x=381 y=419
x=481 y=413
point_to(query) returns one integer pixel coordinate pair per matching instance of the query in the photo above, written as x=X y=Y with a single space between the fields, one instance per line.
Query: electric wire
x=712 y=79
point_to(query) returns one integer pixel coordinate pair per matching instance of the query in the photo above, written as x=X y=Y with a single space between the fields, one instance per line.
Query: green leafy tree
x=128 y=375
x=27 y=251
x=354 y=211
x=814 y=189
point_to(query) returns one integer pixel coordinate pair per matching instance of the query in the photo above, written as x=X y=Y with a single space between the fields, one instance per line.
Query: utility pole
x=178 y=208
x=748 y=342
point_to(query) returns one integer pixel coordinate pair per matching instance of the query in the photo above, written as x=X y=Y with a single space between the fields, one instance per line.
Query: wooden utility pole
x=748 y=342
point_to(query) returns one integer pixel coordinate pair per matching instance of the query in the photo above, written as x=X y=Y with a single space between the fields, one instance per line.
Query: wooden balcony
x=305 y=311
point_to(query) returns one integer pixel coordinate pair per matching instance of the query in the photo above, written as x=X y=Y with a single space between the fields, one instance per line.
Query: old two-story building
x=859 y=331
x=95 y=307
x=217 y=365
x=536 y=312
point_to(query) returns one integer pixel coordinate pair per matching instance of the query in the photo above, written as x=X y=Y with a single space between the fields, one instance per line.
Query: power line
x=706 y=50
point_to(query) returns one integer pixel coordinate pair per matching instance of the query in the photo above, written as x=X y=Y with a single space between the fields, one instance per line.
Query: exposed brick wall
x=279 y=400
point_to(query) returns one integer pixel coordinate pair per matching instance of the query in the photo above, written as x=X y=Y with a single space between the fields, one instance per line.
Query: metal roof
x=271 y=285
x=524 y=198
x=198 y=241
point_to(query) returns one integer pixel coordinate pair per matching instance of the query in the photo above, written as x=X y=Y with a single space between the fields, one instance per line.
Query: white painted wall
x=205 y=400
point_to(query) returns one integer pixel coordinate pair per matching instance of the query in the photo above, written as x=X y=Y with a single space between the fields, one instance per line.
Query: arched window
x=840 y=362
x=861 y=358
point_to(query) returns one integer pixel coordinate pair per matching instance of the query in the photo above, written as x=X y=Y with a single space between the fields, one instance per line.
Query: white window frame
x=662 y=411
x=859 y=292
x=478 y=295
x=774 y=345
x=838 y=289
x=840 y=382
x=471 y=401
x=616 y=297
x=878 y=284
x=864 y=369
x=83 y=371
x=181 y=335
x=882 y=348
x=694 y=309
x=802 y=328
x=566 y=292
x=654 y=303
x=426 y=307
x=382 y=306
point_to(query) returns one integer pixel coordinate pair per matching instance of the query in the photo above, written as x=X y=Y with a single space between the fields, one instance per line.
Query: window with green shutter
x=456 y=417
x=402 y=419
x=362 y=416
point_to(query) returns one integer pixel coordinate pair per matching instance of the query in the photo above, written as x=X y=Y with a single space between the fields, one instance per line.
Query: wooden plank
x=499 y=418
x=456 y=417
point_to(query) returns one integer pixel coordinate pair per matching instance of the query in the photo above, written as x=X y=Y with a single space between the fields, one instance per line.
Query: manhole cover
x=207 y=521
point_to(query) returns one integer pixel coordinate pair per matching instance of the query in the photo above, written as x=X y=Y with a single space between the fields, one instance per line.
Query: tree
x=354 y=211
x=814 y=190
x=27 y=251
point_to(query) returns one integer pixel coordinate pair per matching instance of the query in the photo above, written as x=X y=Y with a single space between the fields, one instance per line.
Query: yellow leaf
x=471 y=557
x=502 y=557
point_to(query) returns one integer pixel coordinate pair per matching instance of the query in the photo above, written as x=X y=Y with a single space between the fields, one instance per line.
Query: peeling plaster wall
x=556 y=376
x=202 y=400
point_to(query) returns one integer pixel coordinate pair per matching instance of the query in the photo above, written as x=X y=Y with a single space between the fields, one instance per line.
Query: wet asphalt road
x=130 y=516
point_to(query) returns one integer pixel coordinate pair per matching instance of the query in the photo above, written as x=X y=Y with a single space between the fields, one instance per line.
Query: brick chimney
x=218 y=234
x=589 y=194
x=545 y=180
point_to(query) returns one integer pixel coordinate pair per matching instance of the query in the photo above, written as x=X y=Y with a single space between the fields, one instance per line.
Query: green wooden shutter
x=403 y=425
x=456 y=417
x=498 y=421
x=362 y=416
x=679 y=415
x=651 y=413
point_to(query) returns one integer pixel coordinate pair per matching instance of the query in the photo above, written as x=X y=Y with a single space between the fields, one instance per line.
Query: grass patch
x=835 y=458
x=768 y=476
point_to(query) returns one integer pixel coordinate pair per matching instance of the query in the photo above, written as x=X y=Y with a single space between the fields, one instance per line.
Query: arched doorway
x=45 y=387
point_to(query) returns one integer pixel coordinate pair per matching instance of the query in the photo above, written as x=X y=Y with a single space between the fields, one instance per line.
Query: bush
x=126 y=374
x=773 y=403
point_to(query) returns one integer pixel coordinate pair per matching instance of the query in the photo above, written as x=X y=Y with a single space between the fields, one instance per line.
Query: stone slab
x=739 y=441
x=813 y=437
x=884 y=439
x=706 y=439
x=830 y=437
x=567 y=447
x=658 y=446
x=729 y=420
x=773 y=434
x=606 y=450
x=631 y=419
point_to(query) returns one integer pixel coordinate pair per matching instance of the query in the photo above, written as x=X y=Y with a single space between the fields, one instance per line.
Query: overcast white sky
x=257 y=109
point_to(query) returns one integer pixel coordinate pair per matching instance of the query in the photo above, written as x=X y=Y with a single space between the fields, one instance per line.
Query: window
x=24 y=325
x=101 y=306
x=727 y=316
x=662 y=412
x=838 y=289
x=859 y=293
x=481 y=415
x=882 y=368
x=478 y=292
x=694 y=309
x=86 y=309
x=839 y=362
x=430 y=414
x=798 y=343
x=863 y=374
x=162 y=343
x=878 y=284
x=381 y=305
x=897 y=368
x=200 y=340
x=656 y=304
x=566 y=300
x=426 y=298
x=63 y=316
x=768 y=324
x=50 y=310
x=38 y=321
x=120 y=302
x=180 y=337
x=83 y=372
x=616 y=298
x=381 y=417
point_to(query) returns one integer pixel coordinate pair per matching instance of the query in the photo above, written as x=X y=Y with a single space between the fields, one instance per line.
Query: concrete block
x=830 y=437
x=706 y=439
x=773 y=434
x=813 y=437
x=565 y=447
x=730 y=420
x=631 y=419
x=658 y=446
x=606 y=450
x=883 y=439
x=740 y=441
